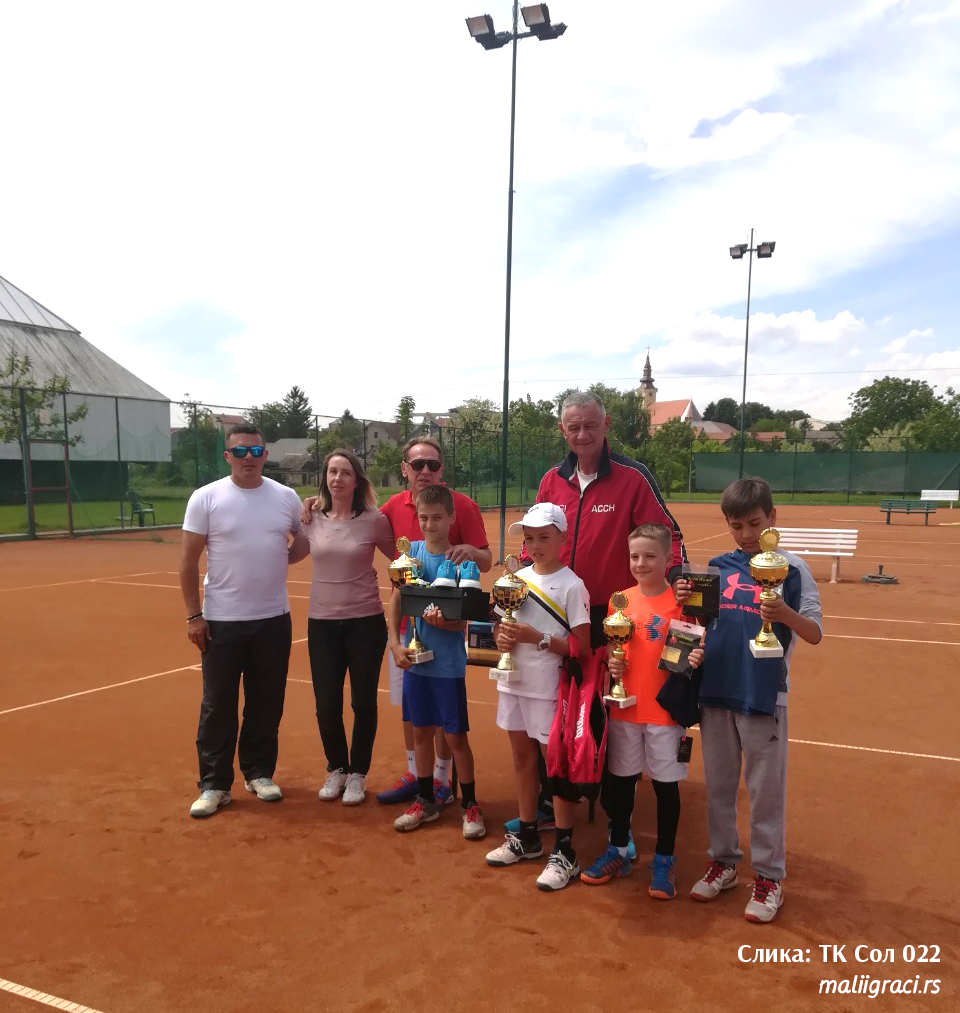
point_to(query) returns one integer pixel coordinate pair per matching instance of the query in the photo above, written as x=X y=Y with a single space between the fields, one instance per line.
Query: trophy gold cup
x=509 y=592
x=618 y=629
x=769 y=569
x=405 y=570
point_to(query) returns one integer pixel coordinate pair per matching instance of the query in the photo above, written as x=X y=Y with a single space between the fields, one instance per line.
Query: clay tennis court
x=115 y=900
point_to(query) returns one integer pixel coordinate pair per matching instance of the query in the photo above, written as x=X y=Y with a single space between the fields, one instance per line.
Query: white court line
x=42 y=997
x=912 y=622
x=85 y=580
x=892 y=640
x=97 y=689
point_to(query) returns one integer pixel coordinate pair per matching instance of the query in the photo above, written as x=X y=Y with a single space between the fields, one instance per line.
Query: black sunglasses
x=241 y=452
x=422 y=462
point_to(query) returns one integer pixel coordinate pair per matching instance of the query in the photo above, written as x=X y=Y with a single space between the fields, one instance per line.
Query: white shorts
x=526 y=714
x=645 y=749
x=396 y=680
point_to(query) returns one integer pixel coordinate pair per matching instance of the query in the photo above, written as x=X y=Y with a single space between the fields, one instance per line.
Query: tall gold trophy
x=509 y=592
x=769 y=569
x=618 y=629
x=405 y=570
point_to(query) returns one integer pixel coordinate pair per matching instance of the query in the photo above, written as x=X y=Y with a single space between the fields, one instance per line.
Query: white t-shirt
x=540 y=670
x=247 y=544
x=585 y=480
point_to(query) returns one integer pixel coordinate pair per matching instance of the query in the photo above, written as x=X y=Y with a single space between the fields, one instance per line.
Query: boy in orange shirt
x=643 y=737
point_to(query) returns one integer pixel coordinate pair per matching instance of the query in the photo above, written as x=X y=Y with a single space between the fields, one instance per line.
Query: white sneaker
x=513 y=850
x=558 y=872
x=766 y=901
x=333 y=786
x=264 y=789
x=209 y=802
x=474 y=829
x=718 y=877
x=355 y=790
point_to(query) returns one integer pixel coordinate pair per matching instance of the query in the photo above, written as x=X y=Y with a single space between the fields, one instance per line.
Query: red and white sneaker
x=718 y=877
x=418 y=814
x=766 y=901
x=473 y=826
x=404 y=789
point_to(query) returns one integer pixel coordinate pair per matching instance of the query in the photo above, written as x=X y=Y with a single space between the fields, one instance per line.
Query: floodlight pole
x=746 y=345
x=506 y=322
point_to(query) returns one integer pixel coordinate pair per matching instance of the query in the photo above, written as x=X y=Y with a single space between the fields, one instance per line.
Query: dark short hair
x=364 y=496
x=435 y=494
x=428 y=440
x=746 y=495
x=660 y=533
x=244 y=429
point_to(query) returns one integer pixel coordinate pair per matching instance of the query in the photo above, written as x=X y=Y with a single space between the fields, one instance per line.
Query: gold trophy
x=769 y=569
x=509 y=592
x=405 y=570
x=618 y=629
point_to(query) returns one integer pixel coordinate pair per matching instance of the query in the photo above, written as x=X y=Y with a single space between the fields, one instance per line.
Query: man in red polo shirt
x=422 y=466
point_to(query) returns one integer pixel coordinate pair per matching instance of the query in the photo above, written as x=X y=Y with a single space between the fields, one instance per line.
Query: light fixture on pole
x=536 y=18
x=763 y=251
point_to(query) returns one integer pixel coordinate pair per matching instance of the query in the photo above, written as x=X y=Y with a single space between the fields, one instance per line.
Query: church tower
x=647 y=390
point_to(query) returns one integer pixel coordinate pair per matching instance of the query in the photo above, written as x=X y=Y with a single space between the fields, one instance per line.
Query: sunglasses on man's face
x=422 y=462
x=241 y=452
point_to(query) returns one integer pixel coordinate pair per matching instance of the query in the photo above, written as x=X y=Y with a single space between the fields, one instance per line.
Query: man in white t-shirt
x=243 y=629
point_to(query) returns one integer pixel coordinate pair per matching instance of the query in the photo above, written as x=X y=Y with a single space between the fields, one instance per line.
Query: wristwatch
x=544 y=644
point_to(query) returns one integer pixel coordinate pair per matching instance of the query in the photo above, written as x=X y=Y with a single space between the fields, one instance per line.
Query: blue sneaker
x=405 y=790
x=446 y=574
x=545 y=821
x=442 y=793
x=609 y=865
x=469 y=574
x=662 y=883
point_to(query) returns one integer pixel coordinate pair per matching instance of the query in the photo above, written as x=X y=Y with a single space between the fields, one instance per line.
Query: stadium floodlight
x=481 y=29
x=536 y=17
x=763 y=251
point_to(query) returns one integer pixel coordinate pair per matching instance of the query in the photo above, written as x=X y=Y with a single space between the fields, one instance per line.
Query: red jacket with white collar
x=623 y=495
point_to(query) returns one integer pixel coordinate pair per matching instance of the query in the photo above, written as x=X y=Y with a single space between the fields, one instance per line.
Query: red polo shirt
x=467 y=528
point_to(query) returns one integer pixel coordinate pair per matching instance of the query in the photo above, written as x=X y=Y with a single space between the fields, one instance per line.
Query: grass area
x=170 y=503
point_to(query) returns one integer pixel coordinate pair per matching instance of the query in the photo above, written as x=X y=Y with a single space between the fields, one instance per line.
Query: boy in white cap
x=557 y=607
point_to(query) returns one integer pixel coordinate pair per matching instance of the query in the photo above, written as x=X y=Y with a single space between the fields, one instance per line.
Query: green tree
x=384 y=469
x=42 y=400
x=297 y=417
x=269 y=417
x=884 y=405
x=403 y=416
x=529 y=416
x=725 y=410
x=195 y=455
x=346 y=431
x=669 y=452
x=629 y=421
x=939 y=429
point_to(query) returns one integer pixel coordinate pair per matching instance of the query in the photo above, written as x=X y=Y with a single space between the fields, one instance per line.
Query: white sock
x=412 y=762
x=441 y=771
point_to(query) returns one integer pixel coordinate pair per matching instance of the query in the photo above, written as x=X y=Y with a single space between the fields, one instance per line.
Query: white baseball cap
x=540 y=515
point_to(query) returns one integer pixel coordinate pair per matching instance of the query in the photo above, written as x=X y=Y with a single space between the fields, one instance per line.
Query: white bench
x=834 y=542
x=950 y=496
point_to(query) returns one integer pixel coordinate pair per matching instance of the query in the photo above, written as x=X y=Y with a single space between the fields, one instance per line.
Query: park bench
x=138 y=509
x=950 y=496
x=908 y=506
x=834 y=542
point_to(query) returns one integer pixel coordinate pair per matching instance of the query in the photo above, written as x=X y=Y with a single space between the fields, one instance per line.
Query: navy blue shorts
x=435 y=701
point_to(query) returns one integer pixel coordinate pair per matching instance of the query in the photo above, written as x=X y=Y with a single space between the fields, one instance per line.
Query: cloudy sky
x=230 y=198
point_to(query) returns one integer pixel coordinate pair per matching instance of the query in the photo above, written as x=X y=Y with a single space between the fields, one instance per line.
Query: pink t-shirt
x=344 y=581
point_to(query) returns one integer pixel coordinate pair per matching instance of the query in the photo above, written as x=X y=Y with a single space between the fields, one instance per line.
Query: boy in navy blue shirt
x=435 y=692
x=744 y=704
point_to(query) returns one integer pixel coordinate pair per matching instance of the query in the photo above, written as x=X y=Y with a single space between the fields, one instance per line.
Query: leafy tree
x=384 y=469
x=725 y=410
x=939 y=428
x=346 y=431
x=43 y=402
x=269 y=417
x=885 y=404
x=195 y=455
x=297 y=418
x=629 y=421
x=476 y=415
x=403 y=416
x=669 y=452
x=529 y=416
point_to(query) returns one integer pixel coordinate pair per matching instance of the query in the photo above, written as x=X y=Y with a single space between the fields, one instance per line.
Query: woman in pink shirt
x=346 y=628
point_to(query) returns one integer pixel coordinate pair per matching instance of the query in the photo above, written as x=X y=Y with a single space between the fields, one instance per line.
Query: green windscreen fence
x=902 y=473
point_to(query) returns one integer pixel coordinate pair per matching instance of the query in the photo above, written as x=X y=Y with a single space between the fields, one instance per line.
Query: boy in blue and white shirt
x=743 y=703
